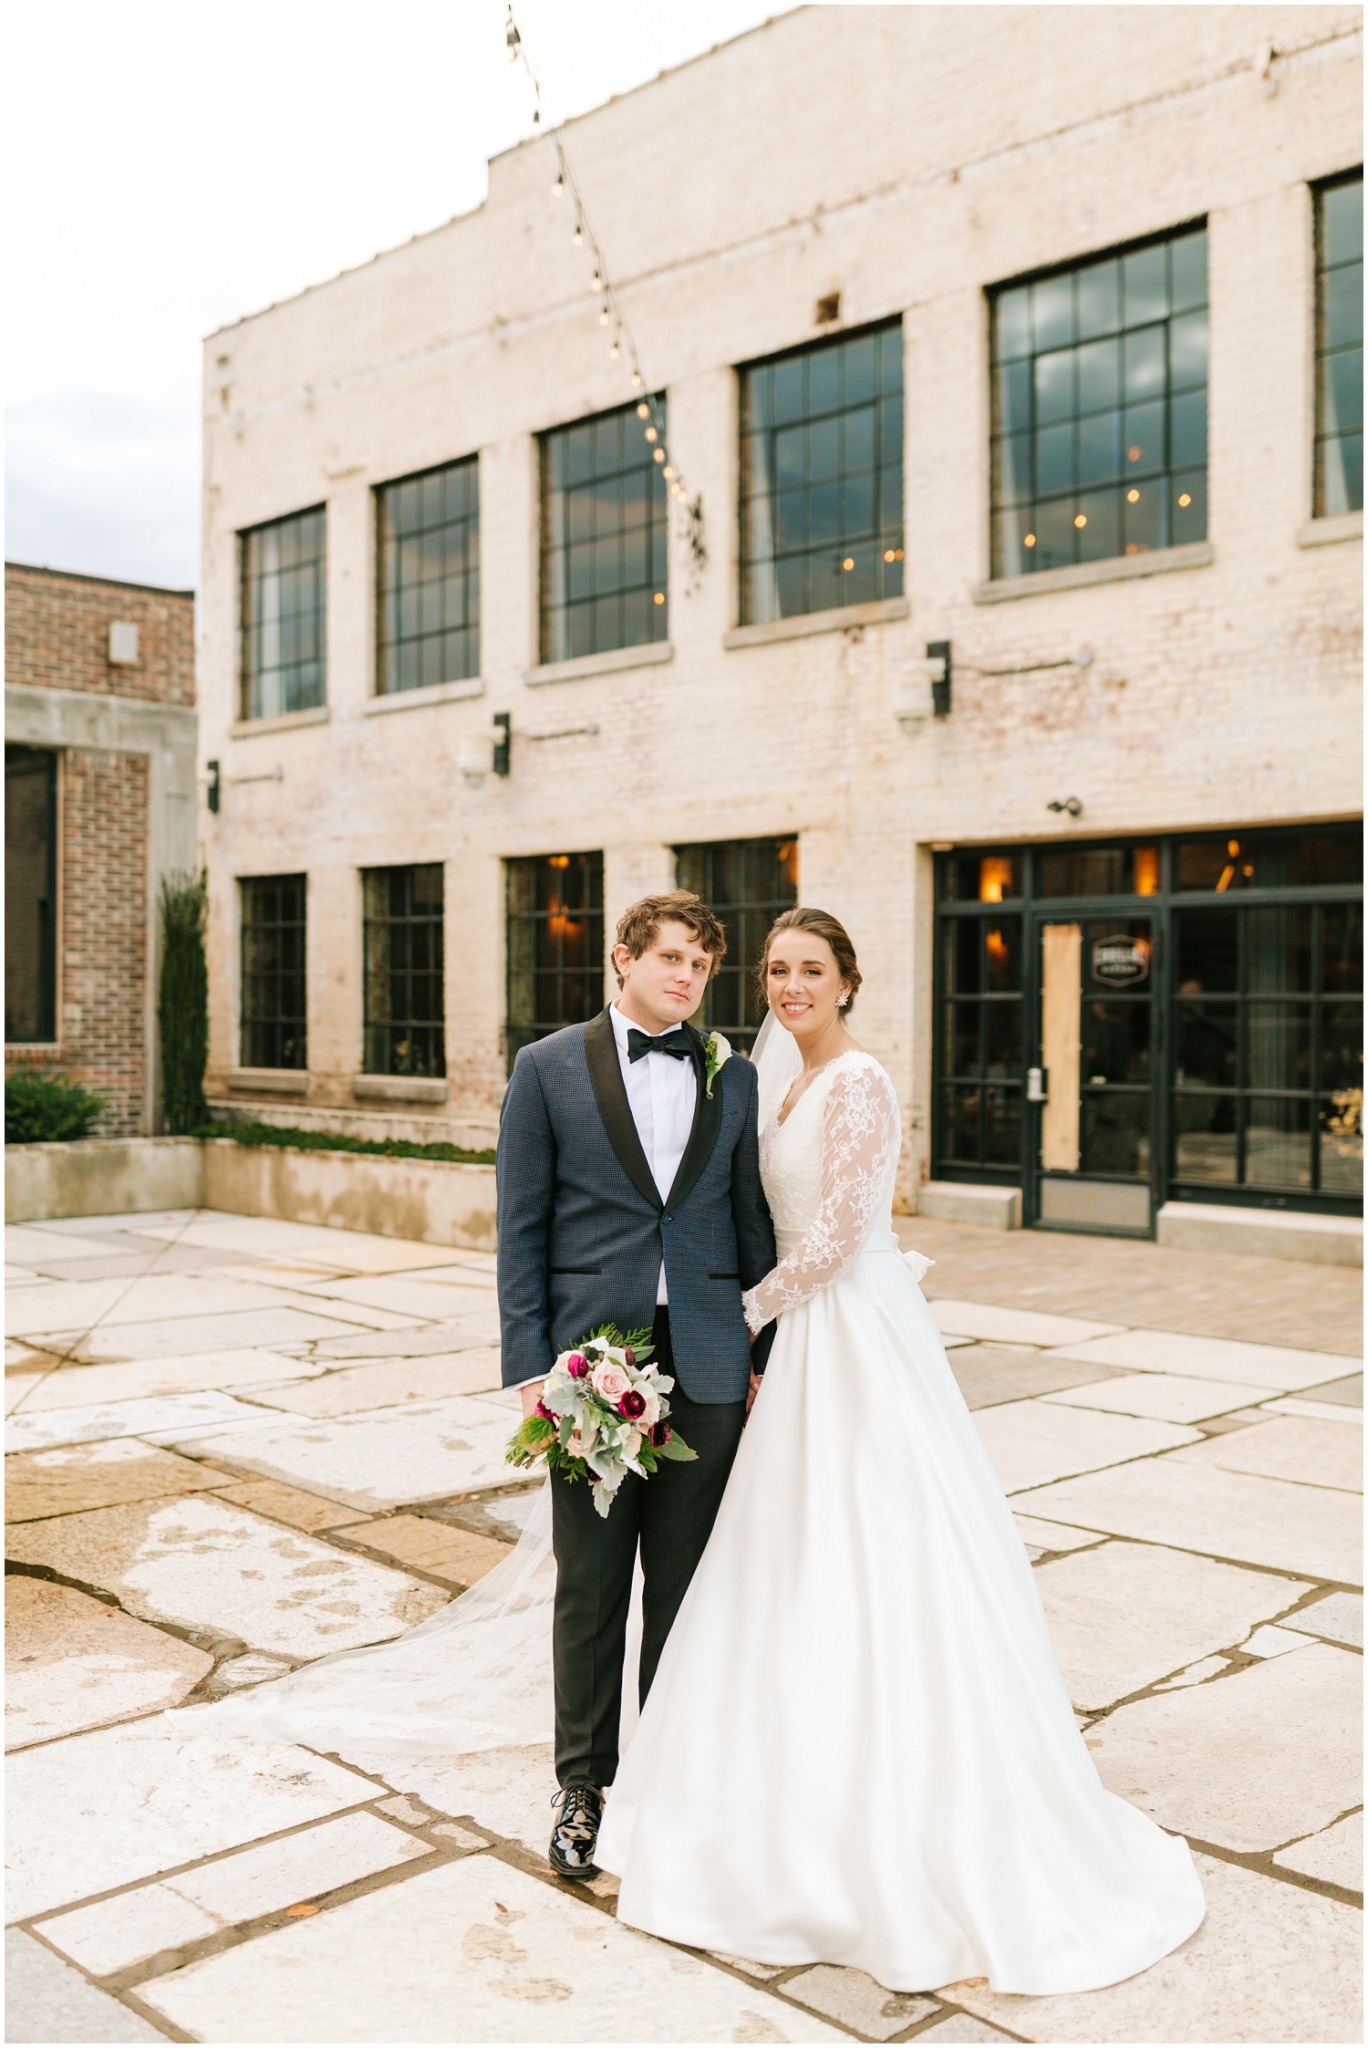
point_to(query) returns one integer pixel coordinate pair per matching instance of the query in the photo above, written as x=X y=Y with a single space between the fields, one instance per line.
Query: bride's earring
x=841 y=1001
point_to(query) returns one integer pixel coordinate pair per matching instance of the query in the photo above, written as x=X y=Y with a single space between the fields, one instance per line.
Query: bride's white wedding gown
x=859 y=1748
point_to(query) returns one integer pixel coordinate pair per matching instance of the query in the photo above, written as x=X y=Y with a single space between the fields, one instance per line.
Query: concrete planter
x=102 y=1177
x=434 y=1201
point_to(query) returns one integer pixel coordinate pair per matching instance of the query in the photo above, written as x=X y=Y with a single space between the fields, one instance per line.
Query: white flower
x=717 y=1052
x=610 y=1381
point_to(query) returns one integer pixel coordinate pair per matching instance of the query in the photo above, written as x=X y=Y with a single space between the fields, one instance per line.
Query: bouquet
x=602 y=1414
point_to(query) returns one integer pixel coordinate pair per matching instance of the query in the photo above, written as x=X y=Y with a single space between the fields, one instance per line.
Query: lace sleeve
x=859 y=1144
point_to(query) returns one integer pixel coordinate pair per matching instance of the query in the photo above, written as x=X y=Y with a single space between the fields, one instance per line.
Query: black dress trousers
x=671 y=1516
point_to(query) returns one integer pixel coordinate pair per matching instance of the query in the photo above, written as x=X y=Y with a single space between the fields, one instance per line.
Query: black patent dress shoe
x=575 y=1835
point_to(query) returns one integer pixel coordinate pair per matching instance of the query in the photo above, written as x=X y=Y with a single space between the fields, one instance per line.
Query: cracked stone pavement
x=235 y=1443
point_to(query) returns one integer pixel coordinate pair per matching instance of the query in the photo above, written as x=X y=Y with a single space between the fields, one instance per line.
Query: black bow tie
x=676 y=1043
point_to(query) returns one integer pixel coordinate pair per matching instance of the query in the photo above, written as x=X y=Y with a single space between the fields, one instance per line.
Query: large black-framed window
x=1259 y=986
x=428 y=569
x=1099 y=375
x=1339 y=345
x=605 y=534
x=273 y=1025
x=554 y=914
x=822 y=476
x=284 y=609
x=404 y=1021
x=30 y=895
x=748 y=882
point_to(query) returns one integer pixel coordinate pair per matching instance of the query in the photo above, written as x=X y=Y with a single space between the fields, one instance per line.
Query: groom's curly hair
x=638 y=928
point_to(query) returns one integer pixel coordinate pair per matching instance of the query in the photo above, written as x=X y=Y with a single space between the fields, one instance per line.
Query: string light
x=610 y=313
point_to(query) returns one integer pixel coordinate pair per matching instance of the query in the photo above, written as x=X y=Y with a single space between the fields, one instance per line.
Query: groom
x=628 y=1194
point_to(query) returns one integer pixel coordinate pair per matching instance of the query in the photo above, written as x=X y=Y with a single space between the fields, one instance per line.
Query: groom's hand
x=531 y=1394
x=755 y=1385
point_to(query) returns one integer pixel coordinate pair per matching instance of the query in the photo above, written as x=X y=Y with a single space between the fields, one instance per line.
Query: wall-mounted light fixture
x=938 y=651
x=215 y=785
x=1072 y=804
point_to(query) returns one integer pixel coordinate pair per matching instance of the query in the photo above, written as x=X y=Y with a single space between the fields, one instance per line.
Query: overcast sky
x=173 y=165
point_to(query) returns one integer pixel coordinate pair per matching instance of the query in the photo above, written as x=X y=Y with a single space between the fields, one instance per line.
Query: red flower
x=630 y=1355
x=576 y=1365
x=545 y=1412
x=661 y=1433
x=632 y=1404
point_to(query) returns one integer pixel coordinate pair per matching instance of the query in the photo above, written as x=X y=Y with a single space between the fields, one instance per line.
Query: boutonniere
x=716 y=1054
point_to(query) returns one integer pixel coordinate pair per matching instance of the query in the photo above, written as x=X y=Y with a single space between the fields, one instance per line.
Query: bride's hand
x=752 y=1391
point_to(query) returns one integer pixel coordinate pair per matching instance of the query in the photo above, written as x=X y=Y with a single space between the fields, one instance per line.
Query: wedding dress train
x=859 y=1748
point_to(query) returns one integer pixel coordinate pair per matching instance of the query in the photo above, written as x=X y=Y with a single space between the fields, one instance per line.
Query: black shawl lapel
x=706 y=1124
x=605 y=1072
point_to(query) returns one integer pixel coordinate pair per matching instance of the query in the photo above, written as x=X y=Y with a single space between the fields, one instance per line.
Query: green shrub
x=41 y=1107
x=183 y=1002
x=244 y=1133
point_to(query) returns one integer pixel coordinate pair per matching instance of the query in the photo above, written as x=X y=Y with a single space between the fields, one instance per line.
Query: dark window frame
x=409 y=512
x=1140 y=486
x=538 y=948
x=403 y=1004
x=20 y=758
x=296 y=688
x=1325 y=436
x=604 y=569
x=733 y=1003
x=273 y=1015
x=859 y=560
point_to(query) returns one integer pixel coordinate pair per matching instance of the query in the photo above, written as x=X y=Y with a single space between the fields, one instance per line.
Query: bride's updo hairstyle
x=823 y=926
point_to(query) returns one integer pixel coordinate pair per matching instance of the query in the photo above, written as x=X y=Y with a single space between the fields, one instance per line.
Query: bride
x=858 y=1747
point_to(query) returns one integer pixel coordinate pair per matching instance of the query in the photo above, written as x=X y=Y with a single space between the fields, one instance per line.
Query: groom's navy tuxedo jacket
x=583 y=1228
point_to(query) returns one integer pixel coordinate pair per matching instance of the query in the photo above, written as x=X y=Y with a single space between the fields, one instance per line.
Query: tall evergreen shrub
x=183 y=1002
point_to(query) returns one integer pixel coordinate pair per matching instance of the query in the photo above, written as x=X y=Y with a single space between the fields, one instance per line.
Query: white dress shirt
x=662 y=1094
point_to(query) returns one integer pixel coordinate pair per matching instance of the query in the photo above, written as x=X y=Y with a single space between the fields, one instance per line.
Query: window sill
x=243 y=728
x=430 y=693
x=267 y=1081
x=840 y=620
x=1119 y=569
x=1319 y=533
x=600 y=664
x=397 y=1088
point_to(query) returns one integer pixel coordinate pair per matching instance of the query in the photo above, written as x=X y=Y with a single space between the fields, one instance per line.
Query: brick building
x=1027 y=335
x=99 y=805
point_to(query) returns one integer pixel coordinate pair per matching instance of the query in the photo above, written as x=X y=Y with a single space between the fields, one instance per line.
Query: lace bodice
x=828 y=1173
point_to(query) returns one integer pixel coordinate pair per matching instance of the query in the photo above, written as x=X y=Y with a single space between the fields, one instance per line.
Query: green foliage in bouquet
x=571 y=1404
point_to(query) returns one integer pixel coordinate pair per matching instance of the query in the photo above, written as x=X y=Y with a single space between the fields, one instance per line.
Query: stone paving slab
x=86 y=1386
x=164 y=1417
x=385 y=1383
x=288 y=1504
x=1163 y=1396
x=1310 y=1530
x=1031 y=1443
x=248 y=1329
x=1249 y=1761
x=474 y=1952
x=427 y=1450
x=962 y=2027
x=1335 y=1856
x=133 y=1802
x=456 y=1555
x=1204 y=1358
x=1269 y=1963
x=46 y=2000
x=32 y=1244
x=75 y=1477
x=1293 y=1447
x=451 y=1333
x=1054 y=1535
x=72 y=1662
x=1127 y=1614
x=402 y=1295
x=270 y=1237
x=1317 y=1411
x=987 y=1374
x=1014 y=1325
x=509 y=1791
x=204 y=1564
x=856 y=2001
x=158 y=1297
x=1348 y=1392
x=117 y=1933
x=1339 y=1617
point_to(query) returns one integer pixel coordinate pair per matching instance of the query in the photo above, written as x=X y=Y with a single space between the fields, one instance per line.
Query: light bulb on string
x=578 y=237
x=597 y=284
x=558 y=189
x=643 y=410
x=668 y=472
x=651 y=434
x=660 y=454
x=636 y=383
x=603 y=316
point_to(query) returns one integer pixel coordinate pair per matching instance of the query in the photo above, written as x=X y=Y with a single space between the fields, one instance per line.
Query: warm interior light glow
x=558 y=860
x=1132 y=497
x=1184 y=498
x=1147 y=871
x=848 y=563
x=1132 y=455
x=888 y=555
x=995 y=879
x=659 y=597
x=788 y=861
x=1029 y=541
x=995 y=944
x=1080 y=519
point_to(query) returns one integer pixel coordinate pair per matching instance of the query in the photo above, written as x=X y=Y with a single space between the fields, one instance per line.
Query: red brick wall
x=57 y=635
x=102 y=992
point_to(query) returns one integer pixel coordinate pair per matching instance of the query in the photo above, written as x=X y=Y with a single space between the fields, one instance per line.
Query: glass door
x=1091 y=1092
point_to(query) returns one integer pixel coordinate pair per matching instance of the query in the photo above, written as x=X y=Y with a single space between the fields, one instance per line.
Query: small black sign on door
x=1120 y=961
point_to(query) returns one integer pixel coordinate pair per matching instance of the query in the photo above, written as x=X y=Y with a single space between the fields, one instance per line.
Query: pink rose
x=610 y=1382
x=632 y=1404
x=576 y=1365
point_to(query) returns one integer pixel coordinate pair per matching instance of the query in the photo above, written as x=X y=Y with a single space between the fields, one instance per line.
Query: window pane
x=1341 y=1144
x=282 y=608
x=1206 y=1146
x=613 y=537
x=1277 y=1143
x=30 y=895
x=1114 y=1135
x=1099 y=299
x=1206 y=1039
x=1278 y=1045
